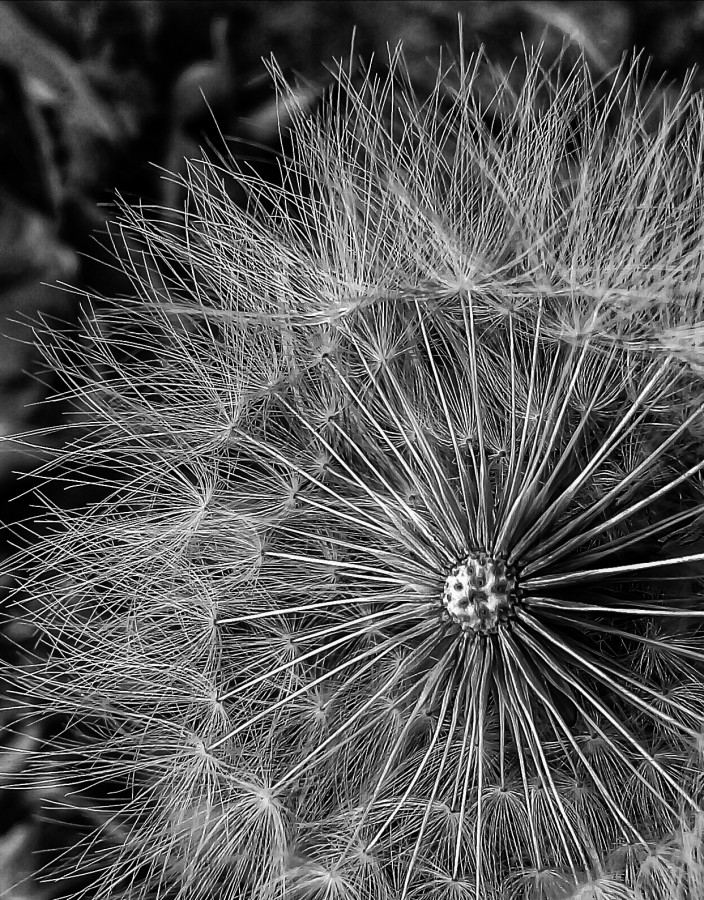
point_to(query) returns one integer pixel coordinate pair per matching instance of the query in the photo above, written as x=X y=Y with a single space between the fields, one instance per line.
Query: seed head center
x=480 y=593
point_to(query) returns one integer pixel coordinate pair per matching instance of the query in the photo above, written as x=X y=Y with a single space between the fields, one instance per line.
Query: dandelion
x=391 y=592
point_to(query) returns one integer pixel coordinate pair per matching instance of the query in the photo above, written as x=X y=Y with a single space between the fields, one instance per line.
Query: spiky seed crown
x=479 y=593
x=449 y=329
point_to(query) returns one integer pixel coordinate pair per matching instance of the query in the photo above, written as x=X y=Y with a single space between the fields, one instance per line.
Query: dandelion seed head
x=400 y=487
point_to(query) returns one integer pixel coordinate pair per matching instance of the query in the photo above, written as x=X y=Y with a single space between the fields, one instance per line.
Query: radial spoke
x=474 y=700
x=338 y=564
x=451 y=517
x=511 y=472
x=421 y=572
x=428 y=462
x=374 y=495
x=543 y=555
x=555 y=420
x=609 y=715
x=513 y=505
x=483 y=692
x=630 y=830
x=628 y=608
x=469 y=733
x=485 y=526
x=430 y=685
x=412 y=781
x=516 y=728
x=543 y=581
x=602 y=628
x=652 y=711
x=373 y=651
x=617 y=544
x=469 y=506
x=447 y=699
x=386 y=617
x=523 y=707
x=345 y=602
x=601 y=670
x=541 y=499
x=425 y=647
x=332 y=747
x=411 y=473
x=361 y=519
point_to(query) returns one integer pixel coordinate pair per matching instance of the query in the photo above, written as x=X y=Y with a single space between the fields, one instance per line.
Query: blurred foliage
x=99 y=96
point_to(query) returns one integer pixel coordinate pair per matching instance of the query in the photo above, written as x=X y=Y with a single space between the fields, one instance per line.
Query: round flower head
x=396 y=587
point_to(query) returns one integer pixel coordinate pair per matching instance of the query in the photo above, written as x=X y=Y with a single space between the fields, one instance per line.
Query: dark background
x=96 y=95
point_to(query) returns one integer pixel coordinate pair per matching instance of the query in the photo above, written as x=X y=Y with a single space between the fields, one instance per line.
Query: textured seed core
x=480 y=593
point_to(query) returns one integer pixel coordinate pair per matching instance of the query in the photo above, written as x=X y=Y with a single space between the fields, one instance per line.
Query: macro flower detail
x=480 y=593
x=396 y=588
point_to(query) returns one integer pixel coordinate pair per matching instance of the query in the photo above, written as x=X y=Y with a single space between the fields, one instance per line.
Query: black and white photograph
x=351 y=450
